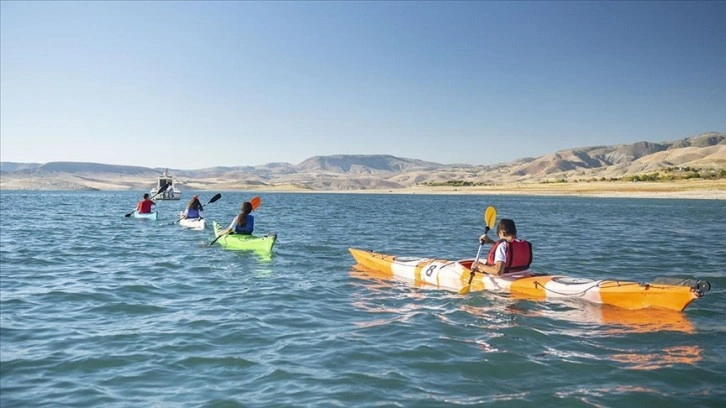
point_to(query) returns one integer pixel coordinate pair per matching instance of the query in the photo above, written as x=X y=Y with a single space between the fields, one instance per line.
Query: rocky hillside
x=706 y=152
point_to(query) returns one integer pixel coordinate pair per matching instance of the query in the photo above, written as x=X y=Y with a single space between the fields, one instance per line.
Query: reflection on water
x=606 y=320
x=378 y=288
x=262 y=256
x=646 y=320
x=666 y=357
x=167 y=323
x=603 y=319
x=265 y=257
x=589 y=395
x=586 y=321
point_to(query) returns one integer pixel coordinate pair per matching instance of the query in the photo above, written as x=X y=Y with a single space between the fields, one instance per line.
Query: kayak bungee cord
x=582 y=293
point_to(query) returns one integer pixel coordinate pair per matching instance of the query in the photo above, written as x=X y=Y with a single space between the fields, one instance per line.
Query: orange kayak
x=666 y=293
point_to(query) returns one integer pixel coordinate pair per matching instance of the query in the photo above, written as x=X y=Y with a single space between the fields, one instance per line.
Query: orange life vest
x=519 y=255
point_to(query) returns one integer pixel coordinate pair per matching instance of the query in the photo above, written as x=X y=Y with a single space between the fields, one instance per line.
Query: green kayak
x=240 y=242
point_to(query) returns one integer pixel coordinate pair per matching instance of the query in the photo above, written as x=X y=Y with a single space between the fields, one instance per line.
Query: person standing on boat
x=144 y=206
x=243 y=223
x=508 y=254
x=194 y=209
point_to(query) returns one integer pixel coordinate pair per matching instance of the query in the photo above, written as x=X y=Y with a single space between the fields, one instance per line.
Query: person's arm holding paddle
x=490 y=217
x=500 y=257
x=508 y=254
x=230 y=228
x=497 y=259
x=244 y=222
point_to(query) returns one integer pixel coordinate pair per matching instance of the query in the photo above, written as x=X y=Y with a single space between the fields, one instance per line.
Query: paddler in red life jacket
x=194 y=209
x=508 y=254
x=144 y=206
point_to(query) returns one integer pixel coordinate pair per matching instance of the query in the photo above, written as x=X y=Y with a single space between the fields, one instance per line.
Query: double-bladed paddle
x=211 y=200
x=490 y=217
x=255 y=202
x=161 y=190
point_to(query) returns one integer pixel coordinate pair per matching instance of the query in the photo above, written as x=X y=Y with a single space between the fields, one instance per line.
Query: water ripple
x=103 y=310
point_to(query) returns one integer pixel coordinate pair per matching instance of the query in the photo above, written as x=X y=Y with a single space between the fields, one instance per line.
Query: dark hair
x=246 y=210
x=195 y=204
x=146 y=195
x=507 y=227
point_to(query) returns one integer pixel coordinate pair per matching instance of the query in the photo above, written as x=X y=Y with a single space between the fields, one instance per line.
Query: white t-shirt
x=500 y=255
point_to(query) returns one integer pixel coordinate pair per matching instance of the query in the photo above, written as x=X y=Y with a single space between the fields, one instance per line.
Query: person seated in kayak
x=243 y=223
x=144 y=206
x=194 y=209
x=508 y=254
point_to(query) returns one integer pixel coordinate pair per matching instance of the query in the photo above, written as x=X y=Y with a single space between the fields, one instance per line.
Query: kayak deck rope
x=698 y=287
x=584 y=291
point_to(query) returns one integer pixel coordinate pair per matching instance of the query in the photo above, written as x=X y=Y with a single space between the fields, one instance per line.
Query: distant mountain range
x=363 y=172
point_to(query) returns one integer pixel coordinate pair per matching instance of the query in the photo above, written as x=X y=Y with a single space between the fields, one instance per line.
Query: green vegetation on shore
x=668 y=174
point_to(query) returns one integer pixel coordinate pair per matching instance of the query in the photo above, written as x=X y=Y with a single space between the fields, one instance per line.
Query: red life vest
x=519 y=255
x=145 y=206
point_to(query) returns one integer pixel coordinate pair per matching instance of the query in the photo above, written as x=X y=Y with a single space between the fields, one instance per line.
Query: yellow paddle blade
x=490 y=217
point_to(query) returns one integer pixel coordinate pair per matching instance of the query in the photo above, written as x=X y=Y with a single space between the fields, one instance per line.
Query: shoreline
x=684 y=189
x=681 y=189
x=694 y=194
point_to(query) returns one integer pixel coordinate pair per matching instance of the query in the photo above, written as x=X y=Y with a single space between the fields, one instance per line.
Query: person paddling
x=243 y=223
x=508 y=254
x=144 y=206
x=194 y=209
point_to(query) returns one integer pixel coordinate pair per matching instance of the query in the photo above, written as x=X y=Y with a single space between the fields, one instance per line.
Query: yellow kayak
x=666 y=293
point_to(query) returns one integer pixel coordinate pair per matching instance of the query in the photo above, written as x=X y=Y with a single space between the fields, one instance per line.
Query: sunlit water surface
x=102 y=310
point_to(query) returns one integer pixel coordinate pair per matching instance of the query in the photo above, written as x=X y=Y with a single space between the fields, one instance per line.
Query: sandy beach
x=689 y=189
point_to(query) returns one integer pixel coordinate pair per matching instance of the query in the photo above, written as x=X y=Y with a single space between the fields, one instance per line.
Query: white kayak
x=193 y=223
x=145 y=216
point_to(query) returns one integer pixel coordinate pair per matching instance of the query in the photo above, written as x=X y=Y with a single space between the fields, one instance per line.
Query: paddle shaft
x=218 y=237
x=161 y=190
x=478 y=254
x=490 y=217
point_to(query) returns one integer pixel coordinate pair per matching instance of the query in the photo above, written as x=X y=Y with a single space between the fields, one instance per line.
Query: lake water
x=102 y=310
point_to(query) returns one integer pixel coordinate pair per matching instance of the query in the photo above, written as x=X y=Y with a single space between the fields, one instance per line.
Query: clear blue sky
x=189 y=85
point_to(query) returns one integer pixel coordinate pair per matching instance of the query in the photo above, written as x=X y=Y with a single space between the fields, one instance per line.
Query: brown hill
x=375 y=172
